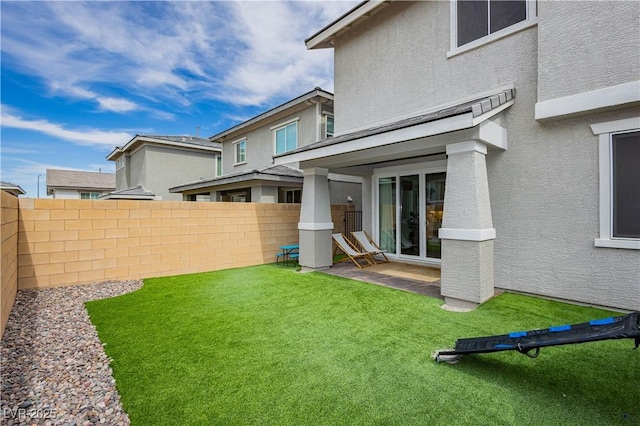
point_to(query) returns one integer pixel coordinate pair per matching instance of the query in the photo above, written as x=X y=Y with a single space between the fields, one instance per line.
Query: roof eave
x=140 y=139
x=246 y=177
x=13 y=189
x=317 y=92
x=323 y=39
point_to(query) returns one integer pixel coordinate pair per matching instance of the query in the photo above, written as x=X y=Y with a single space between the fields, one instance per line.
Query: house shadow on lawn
x=599 y=378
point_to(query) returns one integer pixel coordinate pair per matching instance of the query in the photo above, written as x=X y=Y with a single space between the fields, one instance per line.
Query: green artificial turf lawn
x=267 y=345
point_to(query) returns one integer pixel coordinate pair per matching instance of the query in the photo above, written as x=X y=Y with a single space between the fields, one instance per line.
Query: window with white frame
x=286 y=137
x=89 y=195
x=218 y=165
x=120 y=163
x=328 y=126
x=619 y=148
x=476 y=22
x=240 y=151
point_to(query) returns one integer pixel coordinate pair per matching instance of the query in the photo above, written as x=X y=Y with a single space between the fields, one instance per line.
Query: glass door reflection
x=435 y=186
x=410 y=215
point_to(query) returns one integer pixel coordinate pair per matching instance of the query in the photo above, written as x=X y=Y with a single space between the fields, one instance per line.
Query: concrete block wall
x=64 y=242
x=9 y=258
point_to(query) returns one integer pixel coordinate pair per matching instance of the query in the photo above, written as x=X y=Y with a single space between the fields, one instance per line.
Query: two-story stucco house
x=76 y=184
x=497 y=140
x=248 y=173
x=147 y=166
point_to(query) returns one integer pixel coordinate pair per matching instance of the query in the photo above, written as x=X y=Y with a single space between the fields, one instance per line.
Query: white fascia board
x=445 y=125
x=324 y=38
x=115 y=153
x=142 y=140
x=266 y=117
x=618 y=95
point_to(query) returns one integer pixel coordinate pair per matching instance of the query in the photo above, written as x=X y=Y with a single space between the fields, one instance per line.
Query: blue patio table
x=289 y=251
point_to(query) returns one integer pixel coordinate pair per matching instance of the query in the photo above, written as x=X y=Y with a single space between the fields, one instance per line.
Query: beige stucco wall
x=395 y=63
x=168 y=167
x=544 y=188
x=9 y=256
x=63 y=242
x=587 y=45
x=261 y=142
x=157 y=168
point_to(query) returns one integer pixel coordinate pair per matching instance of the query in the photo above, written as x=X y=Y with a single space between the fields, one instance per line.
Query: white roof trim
x=431 y=128
x=324 y=38
x=146 y=139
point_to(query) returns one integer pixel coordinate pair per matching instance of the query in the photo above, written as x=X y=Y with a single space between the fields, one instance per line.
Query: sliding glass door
x=409 y=214
x=434 y=196
x=387 y=214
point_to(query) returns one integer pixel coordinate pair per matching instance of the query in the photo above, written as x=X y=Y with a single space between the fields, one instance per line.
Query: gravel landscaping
x=53 y=366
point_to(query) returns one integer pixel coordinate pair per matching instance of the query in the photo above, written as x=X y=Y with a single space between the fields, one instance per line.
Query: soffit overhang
x=183 y=142
x=324 y=38
x=273 y=175
x=417 y=136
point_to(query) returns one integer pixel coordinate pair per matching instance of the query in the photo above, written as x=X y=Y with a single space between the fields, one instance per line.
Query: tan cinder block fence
x=9 y=259
x=65 y=242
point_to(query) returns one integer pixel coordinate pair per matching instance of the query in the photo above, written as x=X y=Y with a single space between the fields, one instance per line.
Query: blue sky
x=80 y=78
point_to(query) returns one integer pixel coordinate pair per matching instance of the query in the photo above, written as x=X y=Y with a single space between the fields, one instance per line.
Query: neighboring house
x=147 y=166
x=248 y=173
x=497 y=140
x=11 y=188
x=74 y=184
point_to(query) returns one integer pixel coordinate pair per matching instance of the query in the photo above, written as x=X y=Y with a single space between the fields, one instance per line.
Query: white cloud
x=116 y=105
x=170 y=52
x=86 y=137
x=8 y=150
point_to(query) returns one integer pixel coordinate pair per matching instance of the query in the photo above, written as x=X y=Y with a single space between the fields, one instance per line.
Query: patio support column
x=315 y=226
x=467 y=231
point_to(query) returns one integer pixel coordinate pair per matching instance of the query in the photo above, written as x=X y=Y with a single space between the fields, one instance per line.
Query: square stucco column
x=315 y=226
x=467 y=231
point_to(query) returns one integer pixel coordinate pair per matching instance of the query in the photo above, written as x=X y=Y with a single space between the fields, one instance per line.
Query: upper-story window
x=120 y=163
x=619 y=181
x=476 y=22
x=328 y=126
x=218 y=165
x=286 y=137
x=240 y=151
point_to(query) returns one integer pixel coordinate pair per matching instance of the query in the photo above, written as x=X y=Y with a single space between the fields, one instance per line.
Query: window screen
x=479 y=18
x=626 y=185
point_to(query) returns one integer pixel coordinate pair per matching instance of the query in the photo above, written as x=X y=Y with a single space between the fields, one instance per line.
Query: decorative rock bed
x=54 y=369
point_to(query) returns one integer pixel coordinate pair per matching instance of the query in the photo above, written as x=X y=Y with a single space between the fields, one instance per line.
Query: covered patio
x=405 y=165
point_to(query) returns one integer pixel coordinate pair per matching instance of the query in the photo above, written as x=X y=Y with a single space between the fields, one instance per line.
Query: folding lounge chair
x=368 y=244
x=351 y=251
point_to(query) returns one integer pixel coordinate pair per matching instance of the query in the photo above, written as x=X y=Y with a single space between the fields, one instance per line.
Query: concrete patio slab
x=415 y=279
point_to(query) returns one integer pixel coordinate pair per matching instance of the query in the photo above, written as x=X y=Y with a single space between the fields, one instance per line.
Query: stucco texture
x=543 y=188
x=587 y=45
x=395 y=64
x=261 y=142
